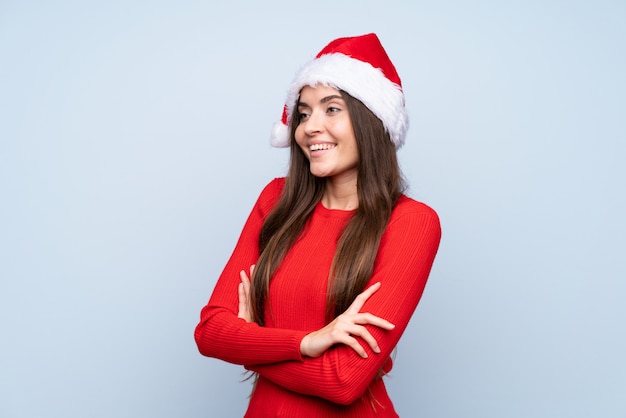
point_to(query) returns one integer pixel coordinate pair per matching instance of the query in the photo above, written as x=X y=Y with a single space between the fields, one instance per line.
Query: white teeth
x=317 y=147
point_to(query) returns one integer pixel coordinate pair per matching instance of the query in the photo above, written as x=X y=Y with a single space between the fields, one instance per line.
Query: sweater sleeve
x=220 y=333
x=403 y=263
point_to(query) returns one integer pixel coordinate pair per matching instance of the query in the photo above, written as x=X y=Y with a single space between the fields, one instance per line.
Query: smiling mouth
x=320 y=147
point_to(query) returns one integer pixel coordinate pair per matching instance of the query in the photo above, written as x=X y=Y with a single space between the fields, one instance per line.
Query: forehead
x=316 y=93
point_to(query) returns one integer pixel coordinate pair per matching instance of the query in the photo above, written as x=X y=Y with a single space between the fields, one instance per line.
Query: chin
x=320 y=173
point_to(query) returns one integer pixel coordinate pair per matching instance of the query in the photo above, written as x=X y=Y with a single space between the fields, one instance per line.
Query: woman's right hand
x=245 y=310
x=345 y=328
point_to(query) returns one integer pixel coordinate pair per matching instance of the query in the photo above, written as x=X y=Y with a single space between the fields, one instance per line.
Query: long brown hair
x=379 y=185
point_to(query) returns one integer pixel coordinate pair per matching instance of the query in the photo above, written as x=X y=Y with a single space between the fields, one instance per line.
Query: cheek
x=298 y=134
x=351 y=139
x=300 y=139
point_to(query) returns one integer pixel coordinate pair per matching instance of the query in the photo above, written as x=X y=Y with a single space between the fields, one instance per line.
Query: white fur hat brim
x=359 y=79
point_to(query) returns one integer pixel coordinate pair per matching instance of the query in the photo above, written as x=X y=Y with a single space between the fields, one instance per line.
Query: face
x=325 y=133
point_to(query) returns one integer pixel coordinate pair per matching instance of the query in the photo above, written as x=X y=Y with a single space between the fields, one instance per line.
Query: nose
x=314 y=123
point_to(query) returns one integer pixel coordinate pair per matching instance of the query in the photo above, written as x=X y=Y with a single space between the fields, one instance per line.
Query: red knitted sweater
x=335 y=384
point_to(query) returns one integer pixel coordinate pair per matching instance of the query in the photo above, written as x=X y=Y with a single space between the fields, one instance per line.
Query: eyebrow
x=324 y=100
x=329 y=98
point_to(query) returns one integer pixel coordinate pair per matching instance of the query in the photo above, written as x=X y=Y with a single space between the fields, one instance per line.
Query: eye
x=333 y=109
x=302 y=116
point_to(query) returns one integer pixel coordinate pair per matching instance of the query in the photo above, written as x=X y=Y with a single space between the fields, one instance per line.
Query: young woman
x=333 y=259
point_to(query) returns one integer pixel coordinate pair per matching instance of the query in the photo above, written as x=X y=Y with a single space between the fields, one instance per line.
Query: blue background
x=134 y=141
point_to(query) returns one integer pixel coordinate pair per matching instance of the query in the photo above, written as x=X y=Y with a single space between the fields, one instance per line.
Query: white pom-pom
x=280 y=135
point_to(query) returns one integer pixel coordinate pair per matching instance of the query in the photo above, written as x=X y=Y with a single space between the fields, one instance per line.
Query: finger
x=241 y=293
x=243 y=302
x=363 y=333
x=360 y=300
x=354 y=344
x=245 y=280
x=244 y=276
x=366 y=318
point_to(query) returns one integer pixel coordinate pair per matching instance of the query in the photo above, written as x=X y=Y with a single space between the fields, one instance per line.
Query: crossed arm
x=345 y=329
x=338 y=361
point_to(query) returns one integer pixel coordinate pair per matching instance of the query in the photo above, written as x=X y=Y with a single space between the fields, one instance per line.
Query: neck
x=340 y=194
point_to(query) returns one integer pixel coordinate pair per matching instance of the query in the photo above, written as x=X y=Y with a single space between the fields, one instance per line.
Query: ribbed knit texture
x=335 y=384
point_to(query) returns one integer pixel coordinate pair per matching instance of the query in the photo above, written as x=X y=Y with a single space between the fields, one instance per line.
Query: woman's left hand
x=347 y=329
x=245 y=311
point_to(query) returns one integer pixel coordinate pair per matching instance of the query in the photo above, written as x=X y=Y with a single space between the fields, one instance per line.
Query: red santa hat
x=359 y=66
